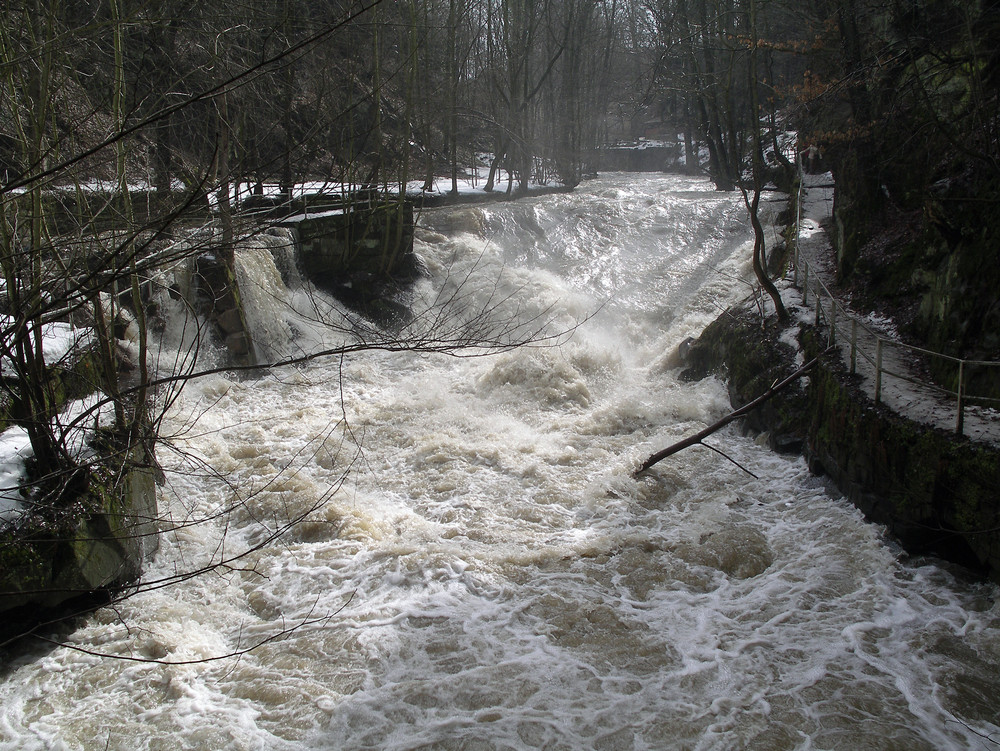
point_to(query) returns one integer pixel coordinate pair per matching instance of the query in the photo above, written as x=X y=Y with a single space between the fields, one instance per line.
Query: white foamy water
x=488 y=573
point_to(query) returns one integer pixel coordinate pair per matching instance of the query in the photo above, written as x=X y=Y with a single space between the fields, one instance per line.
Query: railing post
x=833 y=321
x=960 y=420
x=798 y=233
x=878 y=370
x=854 y=345
x=819 y=301
x=805 y=286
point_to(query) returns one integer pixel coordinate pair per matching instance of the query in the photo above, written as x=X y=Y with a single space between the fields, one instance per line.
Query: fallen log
x=702 y=434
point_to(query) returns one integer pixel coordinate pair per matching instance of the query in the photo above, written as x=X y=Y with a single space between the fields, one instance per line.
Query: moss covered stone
x=745 y=348
x=93 y=547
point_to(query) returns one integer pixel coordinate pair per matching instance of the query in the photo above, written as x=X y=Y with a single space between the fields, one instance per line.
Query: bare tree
x=91 y=258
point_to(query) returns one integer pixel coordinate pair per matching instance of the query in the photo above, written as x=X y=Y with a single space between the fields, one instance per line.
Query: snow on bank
x=58 y=340
x=73 y=427
x=15 y=449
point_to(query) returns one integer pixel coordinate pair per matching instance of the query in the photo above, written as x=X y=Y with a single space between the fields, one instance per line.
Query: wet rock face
x=747 y=351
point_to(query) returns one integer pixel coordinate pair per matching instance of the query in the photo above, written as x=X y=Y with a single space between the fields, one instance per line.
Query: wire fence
x=873 y=353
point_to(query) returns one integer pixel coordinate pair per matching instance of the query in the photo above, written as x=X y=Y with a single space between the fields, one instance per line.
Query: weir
x=360 y=252
x=469 y=554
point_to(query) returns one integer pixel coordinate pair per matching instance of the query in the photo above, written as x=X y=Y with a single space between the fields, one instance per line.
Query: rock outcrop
x=58 y=562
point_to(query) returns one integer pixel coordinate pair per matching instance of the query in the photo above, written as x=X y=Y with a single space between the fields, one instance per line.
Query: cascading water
x=485 y=571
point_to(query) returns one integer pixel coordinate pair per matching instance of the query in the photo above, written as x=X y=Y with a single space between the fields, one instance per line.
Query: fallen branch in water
x=702 y=434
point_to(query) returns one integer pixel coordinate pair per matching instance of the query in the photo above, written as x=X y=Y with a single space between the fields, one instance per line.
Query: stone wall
x=218 y=292
x=376 y=241
x=935 y=492
x=362 y=253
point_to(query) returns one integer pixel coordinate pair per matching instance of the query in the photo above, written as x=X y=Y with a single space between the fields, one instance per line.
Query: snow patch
x=790 y=336
x=74 y=427
x=15 y=449
x=882 y=324
x=58 y=340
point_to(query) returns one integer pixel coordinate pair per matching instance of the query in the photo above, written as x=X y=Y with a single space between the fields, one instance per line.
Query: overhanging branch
x=718 y=425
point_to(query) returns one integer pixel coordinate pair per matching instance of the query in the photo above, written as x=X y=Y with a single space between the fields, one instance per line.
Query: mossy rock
x=746 y=349
x=93 y=547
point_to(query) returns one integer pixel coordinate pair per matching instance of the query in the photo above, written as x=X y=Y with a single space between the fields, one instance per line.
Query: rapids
x=475 y=567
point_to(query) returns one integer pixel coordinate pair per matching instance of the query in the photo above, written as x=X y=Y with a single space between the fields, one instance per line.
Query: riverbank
x=934 y=491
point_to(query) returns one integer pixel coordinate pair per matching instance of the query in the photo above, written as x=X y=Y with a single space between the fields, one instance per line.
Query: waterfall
x=468 y=560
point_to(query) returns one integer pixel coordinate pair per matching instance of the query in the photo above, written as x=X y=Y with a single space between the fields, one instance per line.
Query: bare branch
x=719 y=424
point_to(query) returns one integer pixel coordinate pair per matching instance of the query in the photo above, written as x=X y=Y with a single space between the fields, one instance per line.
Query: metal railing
x=872 y=346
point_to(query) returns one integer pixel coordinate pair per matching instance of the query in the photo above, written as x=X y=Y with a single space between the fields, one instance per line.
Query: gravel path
x=903 y=386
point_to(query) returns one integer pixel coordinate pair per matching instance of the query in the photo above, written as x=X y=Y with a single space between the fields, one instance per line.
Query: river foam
x=485 y=571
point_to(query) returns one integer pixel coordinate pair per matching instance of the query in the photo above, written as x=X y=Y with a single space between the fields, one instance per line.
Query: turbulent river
x=477 y=568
